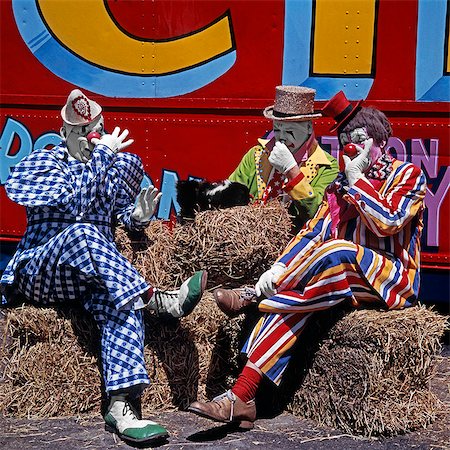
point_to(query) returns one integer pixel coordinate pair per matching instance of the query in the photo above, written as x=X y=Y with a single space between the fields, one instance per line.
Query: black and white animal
x=194 y=196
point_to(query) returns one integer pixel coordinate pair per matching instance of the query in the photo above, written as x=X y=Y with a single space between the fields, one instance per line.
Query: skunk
x=194 y=196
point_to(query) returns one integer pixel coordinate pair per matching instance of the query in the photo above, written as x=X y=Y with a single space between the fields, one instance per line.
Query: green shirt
x=254 y=170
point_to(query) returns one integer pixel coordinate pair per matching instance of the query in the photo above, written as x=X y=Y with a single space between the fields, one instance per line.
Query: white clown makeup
x=292 y=134
x=358 y=136
x=77 y=143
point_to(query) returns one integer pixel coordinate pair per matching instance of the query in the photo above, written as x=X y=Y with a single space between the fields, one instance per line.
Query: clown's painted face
x=358 y=136
x=292 y=134
x=77 y=143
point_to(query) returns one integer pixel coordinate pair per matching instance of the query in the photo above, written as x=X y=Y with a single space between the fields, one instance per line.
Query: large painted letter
x=13 y=129
x=79 y=41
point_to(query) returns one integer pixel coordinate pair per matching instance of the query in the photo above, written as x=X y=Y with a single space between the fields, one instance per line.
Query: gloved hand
x=281 y=158
x=114 y=141
x=266 y=283
x=355 y=168
x=146 y=204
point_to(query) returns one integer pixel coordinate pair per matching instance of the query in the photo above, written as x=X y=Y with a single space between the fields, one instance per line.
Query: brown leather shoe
x=228 y=408
x=233 y=302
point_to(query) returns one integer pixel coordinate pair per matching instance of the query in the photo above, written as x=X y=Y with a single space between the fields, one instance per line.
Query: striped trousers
x=328 y=276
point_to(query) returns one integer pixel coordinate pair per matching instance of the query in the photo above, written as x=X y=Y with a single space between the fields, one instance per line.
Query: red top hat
x=340 y=109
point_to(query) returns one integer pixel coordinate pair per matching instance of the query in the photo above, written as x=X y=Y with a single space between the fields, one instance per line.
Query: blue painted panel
x=435 y=287
x=7 y=250
x=431 y=83
x=297 y=57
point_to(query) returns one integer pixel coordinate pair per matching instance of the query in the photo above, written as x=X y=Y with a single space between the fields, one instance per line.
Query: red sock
x=247 y=384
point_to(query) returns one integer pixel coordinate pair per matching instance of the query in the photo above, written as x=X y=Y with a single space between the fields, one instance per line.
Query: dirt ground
x=188 y=431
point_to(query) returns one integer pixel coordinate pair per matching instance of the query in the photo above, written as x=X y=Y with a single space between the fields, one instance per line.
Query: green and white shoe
x=122 y=420
x=179 y=303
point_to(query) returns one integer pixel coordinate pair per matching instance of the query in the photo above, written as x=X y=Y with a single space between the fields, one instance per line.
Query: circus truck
x=190 y=78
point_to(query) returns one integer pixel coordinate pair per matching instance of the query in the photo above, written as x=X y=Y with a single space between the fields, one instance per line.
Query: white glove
x=115 y=140
x=281 y=158
x=266 y=283
x=146 y=204
x=355 y=168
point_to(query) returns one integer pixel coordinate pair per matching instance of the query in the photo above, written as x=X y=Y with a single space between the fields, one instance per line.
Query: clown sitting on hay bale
x=364 y=367
x=74 y=194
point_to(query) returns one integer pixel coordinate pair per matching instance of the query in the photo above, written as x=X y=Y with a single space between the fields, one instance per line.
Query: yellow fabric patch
x=309 y=169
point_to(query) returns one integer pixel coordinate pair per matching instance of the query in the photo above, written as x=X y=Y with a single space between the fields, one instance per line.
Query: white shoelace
x=247 y=294
x=231 y=397
x=128 y=411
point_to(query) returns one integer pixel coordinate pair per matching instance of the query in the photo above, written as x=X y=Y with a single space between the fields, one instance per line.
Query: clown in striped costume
x=74 y=194
x=369 y=253
x=362 y=246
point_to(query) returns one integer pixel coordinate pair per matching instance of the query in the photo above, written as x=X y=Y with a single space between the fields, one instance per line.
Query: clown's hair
x=374 y=121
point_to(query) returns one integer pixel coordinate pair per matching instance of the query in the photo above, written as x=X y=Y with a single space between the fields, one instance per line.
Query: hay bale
x=236 y=245
x=152 y=252
x=371 y=376
x=51 y=361
x=50 y=364
x=51 y=354
x=178 y=356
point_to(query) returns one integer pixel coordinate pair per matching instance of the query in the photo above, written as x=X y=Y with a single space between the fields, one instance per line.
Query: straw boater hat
x=79 y=110
x=292 y=103
x=340 y=109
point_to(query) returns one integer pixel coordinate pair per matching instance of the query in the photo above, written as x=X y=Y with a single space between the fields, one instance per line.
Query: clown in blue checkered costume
x=74 y=193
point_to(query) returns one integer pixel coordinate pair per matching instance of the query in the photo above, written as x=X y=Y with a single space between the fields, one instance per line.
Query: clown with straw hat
x=74 y=193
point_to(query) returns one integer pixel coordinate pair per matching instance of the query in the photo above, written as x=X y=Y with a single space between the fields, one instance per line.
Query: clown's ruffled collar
x=382 y=168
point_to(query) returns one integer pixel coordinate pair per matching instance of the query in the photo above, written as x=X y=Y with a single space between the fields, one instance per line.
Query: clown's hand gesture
x=281 y=158
x=356 y=167
x=115 y=140
x=266 y=283
x=146 y=204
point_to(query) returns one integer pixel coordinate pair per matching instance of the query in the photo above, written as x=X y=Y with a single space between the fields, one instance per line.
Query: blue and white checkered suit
x=68 y=251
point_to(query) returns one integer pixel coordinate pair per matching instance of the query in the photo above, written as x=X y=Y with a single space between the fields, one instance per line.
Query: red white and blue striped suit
x=363 y=245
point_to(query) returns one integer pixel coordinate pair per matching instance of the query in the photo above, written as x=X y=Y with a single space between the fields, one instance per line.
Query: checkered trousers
x=76 y=258
x=122 y=343
x=89 y=269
